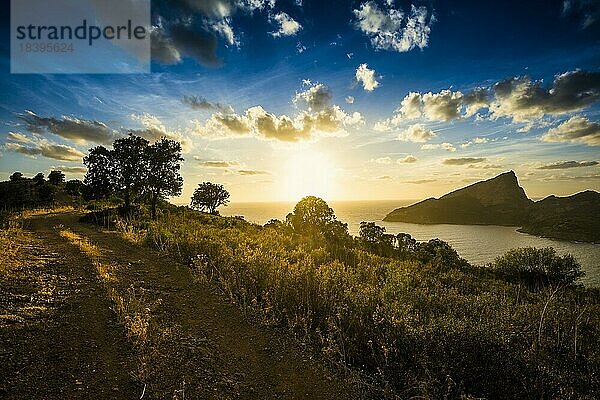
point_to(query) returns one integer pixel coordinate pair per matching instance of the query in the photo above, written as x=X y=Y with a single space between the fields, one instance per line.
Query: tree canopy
x=209 y=196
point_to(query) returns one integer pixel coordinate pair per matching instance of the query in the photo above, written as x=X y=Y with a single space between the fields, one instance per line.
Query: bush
x=538 y=267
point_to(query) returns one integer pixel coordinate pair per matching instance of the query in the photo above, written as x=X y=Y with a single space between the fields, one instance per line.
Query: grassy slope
x=421 y=329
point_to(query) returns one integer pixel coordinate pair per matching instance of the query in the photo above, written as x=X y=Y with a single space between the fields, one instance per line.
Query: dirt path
x=59 y=337
x=188 y=342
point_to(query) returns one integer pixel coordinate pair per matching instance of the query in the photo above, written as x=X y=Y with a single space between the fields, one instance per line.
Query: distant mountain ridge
x=501 y=201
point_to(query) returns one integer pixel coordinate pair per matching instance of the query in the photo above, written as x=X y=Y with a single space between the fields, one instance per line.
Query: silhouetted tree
x=163 y=178
x=100 y=177
x=39 y=180
x=56 y=177
x=314 y=218
x=370 y=233
x=131 y=166
x=209 y=196
x=16 y=176
x=74 y=187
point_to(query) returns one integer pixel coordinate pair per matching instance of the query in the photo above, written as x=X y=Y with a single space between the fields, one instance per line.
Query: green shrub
x=538 y=267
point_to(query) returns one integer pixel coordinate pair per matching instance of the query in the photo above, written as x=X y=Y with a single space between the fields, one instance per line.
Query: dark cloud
x=196 y=44
x=587 y=12
x=201 y=103
x=77 y=130
x=569 y=164
x=523 y=99
x=462 y=161
x=520 y=99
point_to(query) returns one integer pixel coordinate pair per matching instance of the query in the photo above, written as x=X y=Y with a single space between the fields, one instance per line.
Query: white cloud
x=392 y=29
x=349 y=99
x=577 y=129
x=417 y=133
x=476 y=140
x=47 y=149
x=287 y=25
x=443 y=146
x=409 y=159
x=316 y=98
x=366 y=76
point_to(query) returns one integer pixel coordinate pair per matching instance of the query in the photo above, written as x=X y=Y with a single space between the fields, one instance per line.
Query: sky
x=347 y=100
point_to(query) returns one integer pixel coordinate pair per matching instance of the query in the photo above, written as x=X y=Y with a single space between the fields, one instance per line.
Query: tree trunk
x=153 y=204
x=127 y=201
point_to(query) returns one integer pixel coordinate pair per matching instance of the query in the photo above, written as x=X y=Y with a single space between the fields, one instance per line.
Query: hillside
x=571 y=218
x=501 y=201
x=497 y=201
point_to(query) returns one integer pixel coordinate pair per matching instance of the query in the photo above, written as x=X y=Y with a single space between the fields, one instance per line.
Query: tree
x=100 y=177
x=313 y=217
x=73 y=187
x=131 y=166
x=16 y=176
x=39 y=180
x=538 y=267
x=370 y=233
x=163 y=179
x=209 y=196
x=56 y=177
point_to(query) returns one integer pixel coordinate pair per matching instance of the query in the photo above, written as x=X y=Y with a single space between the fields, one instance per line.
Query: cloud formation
x=476 y=140
x=519 y=99
x=153 y=130
x=416 y=133
x=444 y=146
x=287 y=25
x=77 y=130
x=202 y=104
x=577 y=129
x=69 y=169
x=409 y=159
x=317 y=119
x=315 y=98
x=252 y=172
x=366 y=76
x=217 y=164
x=462 y=161
x=48 y=150
x=393 y=30
x=569 y=164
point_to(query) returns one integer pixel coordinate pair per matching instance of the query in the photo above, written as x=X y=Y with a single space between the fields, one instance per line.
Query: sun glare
x=308 y=173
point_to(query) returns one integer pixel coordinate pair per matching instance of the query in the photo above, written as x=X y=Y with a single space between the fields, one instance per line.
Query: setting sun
x=308 y=172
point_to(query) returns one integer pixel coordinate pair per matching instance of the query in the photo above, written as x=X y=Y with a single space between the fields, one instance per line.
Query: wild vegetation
x=412 y=317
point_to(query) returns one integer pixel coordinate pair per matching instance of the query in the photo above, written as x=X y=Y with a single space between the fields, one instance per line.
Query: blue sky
x=314 y=93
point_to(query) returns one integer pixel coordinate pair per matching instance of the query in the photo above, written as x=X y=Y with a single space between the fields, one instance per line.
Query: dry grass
x=11 y=240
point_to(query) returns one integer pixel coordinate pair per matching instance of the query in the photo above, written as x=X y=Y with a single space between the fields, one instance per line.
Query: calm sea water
x=478 y=244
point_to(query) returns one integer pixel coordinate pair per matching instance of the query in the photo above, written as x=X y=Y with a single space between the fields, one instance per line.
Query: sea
x=479 y=244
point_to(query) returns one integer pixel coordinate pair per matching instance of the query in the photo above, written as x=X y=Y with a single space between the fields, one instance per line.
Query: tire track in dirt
x=60 y=338
x=199 y=345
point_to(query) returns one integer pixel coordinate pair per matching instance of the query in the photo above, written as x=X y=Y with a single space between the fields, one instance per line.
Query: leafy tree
x=74 y=187
x=39 y=180
x=163 y=178
x=16 y=176
x=314 y=218
x=370 y=233
x=311 y=215
x=209 y=196
x=131 y=166
x=538 y=267
x=56 y=177
x=100 y=177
